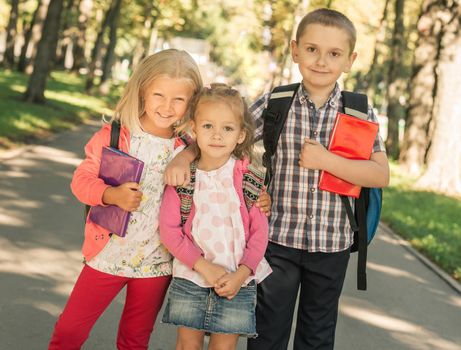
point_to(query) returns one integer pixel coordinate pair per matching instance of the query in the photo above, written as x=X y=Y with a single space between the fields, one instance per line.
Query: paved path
x=407 y=306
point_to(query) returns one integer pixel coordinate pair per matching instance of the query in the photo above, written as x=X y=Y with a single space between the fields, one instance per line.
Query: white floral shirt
x=140 y=253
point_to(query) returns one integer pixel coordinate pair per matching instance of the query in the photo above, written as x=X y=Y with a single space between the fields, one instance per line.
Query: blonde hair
x=328 y=18
x=171 y=63
x=218 y=92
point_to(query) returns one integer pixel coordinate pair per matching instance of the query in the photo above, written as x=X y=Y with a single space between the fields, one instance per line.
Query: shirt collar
x=333 y=100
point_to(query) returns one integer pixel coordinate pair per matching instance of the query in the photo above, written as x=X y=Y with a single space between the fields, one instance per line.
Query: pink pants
x=93 y=292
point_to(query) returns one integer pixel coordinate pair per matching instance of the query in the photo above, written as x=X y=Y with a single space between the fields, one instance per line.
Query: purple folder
x=116 y=168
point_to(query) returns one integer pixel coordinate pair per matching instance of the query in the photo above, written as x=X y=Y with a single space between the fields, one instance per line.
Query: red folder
x=350 y=138
x=116 y=168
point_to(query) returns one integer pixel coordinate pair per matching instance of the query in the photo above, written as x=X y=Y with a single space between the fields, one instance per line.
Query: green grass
x=429 y=221
x=67 y=104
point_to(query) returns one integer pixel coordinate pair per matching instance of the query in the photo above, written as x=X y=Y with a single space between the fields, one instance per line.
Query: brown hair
x=329 y=18
x=171 y=63
x=219 y=92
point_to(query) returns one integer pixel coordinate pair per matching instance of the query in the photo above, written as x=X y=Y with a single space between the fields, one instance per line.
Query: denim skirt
x=192 y=306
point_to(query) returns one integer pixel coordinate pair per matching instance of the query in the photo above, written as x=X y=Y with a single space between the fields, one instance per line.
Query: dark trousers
x=321 y=277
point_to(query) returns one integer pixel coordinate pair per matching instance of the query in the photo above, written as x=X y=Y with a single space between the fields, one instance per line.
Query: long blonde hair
x=171 y=63
x=219 y=92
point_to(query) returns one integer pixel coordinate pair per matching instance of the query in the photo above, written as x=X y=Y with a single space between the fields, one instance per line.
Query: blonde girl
x=155 y=101
x=218 y=240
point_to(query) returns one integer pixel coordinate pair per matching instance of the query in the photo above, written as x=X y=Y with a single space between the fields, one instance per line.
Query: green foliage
x=428 y=220
x=67 y=105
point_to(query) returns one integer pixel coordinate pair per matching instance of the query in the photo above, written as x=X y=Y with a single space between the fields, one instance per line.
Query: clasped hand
x=313 y=155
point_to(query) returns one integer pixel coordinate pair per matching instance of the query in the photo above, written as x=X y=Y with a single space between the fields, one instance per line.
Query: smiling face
x=218 y=131
x=323 y=54
x=165 y=102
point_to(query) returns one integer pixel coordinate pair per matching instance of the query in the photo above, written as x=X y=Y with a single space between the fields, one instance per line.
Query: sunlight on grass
x=429 y=221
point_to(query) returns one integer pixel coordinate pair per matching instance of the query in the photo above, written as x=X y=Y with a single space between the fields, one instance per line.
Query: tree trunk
x=45 y=54
x=65 y=38
x=97 y=48
x=444 y=157
x=110 y=53
x=396 y=83
x=371 y=80
x=11 y=31
x=32 y=36
x=423 y=86
x=80 y=39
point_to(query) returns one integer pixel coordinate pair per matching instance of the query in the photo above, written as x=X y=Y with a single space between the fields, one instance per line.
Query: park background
x=65 y=62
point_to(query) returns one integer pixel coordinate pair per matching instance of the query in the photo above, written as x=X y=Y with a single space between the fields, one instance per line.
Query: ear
x=241 y=137
x=350 y=62
x=192 y=128
x=294 y=51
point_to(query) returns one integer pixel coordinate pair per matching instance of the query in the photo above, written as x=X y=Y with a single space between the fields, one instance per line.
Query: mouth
x=216 y=146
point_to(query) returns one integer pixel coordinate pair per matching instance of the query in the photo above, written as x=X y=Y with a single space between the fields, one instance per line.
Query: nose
x=167 y=106
x=321 y=59
x=217 y=135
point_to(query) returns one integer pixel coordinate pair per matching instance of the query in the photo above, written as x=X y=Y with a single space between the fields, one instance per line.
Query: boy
x=309 y=234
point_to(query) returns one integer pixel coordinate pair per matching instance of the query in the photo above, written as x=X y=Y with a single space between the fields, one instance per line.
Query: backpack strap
x=274 y=116
x=356 y=104
x=114 y=133
x=253 y=182
x=186 y=194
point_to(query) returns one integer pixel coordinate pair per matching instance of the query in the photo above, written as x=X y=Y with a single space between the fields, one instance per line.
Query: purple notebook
x=116 y=168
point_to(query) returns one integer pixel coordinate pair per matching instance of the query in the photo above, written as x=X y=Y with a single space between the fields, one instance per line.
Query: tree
x=45 y=54
x=444 y=157
x=8 y=59
x=396 y=84
x=423 y=85
x=84 y=8
x=110 y=53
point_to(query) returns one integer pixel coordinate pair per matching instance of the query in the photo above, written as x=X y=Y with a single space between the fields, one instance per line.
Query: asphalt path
x=407 y=305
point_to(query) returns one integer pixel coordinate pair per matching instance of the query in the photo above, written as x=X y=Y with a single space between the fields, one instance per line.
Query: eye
x=157 y=94
x=335 y=54
x=207 y=126
x=310 y=49
x=180 y=99
x=228 y=128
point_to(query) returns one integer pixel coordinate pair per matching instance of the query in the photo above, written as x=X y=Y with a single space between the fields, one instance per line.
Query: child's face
x=218 y=131
x=165 y=102
x=323 y=54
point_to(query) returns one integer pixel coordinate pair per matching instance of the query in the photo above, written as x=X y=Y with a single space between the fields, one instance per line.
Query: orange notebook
x=350 y=138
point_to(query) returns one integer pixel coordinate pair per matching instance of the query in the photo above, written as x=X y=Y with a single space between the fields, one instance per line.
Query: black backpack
x=364 y=219
x=114 y=137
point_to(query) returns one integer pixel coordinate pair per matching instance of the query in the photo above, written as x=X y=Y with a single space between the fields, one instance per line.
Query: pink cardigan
x=89 y=188
x=178 y=240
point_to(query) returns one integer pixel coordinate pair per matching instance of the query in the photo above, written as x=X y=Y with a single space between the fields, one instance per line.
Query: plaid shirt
x=303 y=216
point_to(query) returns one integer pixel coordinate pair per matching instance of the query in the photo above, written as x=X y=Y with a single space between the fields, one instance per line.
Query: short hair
x=170 y=63
x=329 y=18
x=219 y=92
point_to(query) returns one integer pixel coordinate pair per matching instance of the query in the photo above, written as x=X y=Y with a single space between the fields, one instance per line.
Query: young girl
x=155 y=100
x=219 y=248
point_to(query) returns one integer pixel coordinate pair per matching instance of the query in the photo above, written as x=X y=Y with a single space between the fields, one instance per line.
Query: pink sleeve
x=172 y=233
x=86 y=185
x=257 y=239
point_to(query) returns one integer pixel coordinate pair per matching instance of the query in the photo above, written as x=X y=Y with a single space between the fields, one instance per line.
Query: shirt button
x=311 y=217
x=315 y=133
x=332 y=103
x=312 y=189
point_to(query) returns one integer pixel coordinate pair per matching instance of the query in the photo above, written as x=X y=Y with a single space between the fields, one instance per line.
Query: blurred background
x=64 y=62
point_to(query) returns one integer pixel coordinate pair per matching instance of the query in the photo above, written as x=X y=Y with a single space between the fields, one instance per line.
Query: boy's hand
x=313 y=155
x=229 y=285
x=126 y=196
x=209 y=271
x=264 y=202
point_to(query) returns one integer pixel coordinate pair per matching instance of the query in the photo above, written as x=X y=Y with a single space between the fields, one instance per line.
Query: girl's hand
x=126 y=196
x=177 y=172
x=229 y=285
x=209 y=271
x=264 y=202
x=313 y=155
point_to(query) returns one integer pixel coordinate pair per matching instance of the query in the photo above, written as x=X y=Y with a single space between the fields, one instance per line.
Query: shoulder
x=260 y=103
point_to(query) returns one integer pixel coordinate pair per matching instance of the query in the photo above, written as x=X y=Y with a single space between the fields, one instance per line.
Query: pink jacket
x=178 y=240
x=88 y=187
